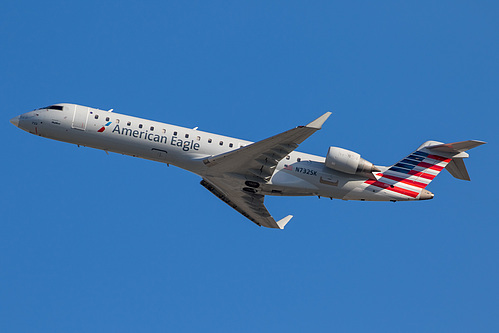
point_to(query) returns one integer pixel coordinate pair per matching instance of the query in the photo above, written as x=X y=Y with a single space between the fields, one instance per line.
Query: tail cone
x=426 y=195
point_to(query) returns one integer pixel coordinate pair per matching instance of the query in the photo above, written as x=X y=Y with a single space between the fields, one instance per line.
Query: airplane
x=241 y=173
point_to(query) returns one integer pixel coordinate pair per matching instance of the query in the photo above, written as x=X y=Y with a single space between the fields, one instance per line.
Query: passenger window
x=187 y=136
x=164 y=131
x=117 y=121
x=140 y=125
x=151 y=128
x=221 y=143
x=298 y=159
x=287 y=157
x=175 y=133
x=231 y=145
x=198 y=138
x=129 y=123
x=209 y=140
x=107 y=118
x=96 y=116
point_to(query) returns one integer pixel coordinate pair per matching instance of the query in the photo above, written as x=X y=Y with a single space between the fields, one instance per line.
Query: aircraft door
x=80 y=117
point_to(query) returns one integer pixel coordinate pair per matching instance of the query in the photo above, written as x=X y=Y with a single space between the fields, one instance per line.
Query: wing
x=249 y=205
x=261 y=158
x=255 y=161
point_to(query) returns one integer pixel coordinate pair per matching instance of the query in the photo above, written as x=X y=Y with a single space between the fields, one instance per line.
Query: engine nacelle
x=347 y=161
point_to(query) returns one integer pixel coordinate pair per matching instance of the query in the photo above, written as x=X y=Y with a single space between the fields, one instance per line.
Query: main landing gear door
x=80 y=118
x=160 y=154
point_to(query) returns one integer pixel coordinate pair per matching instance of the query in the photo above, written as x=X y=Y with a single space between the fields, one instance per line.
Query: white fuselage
x=297 y=174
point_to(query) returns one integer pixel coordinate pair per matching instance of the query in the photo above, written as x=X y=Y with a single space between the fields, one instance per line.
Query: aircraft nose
x=15 y=121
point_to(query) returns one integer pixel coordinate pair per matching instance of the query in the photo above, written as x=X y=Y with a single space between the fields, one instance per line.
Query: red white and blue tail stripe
x=407 y=179
x=411 y=175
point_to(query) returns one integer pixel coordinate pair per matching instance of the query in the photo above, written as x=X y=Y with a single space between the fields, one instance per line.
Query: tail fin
x=412 y=174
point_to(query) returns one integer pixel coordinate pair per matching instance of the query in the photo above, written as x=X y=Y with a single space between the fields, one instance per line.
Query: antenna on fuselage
x=110 y=110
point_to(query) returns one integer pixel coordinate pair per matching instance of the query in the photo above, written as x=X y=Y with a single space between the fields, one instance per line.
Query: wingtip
x=317 y=123
x=282 y=222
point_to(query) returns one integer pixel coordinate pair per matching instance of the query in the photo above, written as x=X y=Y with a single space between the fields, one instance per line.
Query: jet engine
x=347 y=161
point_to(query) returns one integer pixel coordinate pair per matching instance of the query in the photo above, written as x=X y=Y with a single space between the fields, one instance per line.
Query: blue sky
x=91 y=242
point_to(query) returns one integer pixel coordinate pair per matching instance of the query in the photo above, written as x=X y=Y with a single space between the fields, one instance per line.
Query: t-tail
x=410 y=176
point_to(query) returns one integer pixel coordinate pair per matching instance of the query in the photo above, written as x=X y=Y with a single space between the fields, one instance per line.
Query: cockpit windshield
x=52 y=107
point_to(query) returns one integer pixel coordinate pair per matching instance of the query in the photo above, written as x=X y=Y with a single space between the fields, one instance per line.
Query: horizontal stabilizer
x=456 y=147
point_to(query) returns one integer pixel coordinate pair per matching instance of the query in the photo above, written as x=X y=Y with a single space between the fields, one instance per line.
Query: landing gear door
x=160 y=154
x=80 y=118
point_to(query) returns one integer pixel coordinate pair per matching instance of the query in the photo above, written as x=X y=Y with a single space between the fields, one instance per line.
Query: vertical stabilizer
x=411 y=175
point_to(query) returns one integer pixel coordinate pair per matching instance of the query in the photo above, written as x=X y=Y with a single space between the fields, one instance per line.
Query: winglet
x=317 y=123
x=282 y=222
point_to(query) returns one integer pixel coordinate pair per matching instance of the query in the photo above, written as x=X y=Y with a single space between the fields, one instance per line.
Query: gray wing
x=255 y=160
x=250 y=205
x=260 y=159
